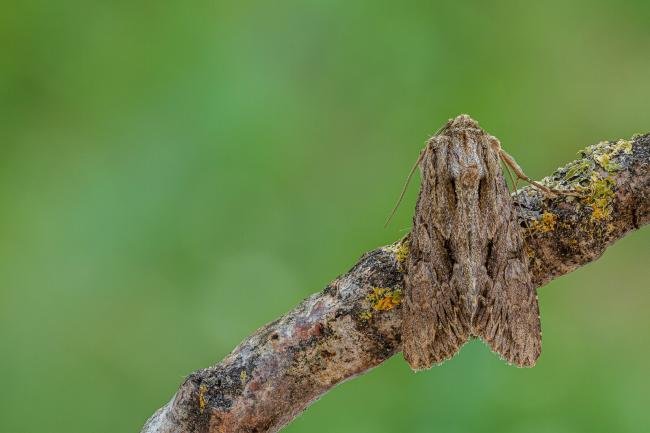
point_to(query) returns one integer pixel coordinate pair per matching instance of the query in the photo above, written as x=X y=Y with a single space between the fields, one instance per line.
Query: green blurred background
x=174 y=175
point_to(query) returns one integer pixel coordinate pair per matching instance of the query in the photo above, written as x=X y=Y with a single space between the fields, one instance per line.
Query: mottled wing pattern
x=467 y=273
x=436 y=322
x=507 y=314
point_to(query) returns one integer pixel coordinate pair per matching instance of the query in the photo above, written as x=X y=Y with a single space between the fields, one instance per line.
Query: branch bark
x=354 y=324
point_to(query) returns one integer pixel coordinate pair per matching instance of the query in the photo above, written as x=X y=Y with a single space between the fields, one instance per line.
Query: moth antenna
x=406 y=184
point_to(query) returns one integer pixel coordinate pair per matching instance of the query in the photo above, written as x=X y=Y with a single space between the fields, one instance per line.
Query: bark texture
x=354 y=324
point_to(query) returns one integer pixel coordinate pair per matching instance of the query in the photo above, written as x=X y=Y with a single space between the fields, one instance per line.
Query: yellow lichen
x=624 y=146
x=599 y=197
x=605 y=162
x=599 y=192
x=242 y=376
x=402 y=251
x=365 y=315
x=546 y=223
x=384 y=299
x=202 y=390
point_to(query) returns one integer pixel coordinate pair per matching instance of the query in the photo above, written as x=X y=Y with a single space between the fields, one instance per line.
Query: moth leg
x=512 y=178
x=515 y=181
x=510 y=162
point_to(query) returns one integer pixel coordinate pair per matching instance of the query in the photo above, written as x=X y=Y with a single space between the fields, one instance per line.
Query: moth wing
x=435 y=322
x=436 y=318
x=508 y=315
x=418 y=318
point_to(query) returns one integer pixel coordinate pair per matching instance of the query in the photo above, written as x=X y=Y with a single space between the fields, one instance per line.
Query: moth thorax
x=469 y=175
x=463 y=121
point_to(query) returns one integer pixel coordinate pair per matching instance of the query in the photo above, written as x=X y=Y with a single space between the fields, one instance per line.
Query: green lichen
x=365 y=315
x=624 y=146
x=599 y=197
x=592 y=177
x=605 y=152
x=577 y=169
x=402 y=252
x=605 y=161
x=597 y=162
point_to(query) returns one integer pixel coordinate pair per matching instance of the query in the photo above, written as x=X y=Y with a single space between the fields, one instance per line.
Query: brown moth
x=467 y=273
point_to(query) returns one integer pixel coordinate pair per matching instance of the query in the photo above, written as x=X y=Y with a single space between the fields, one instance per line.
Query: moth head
x=461 y=122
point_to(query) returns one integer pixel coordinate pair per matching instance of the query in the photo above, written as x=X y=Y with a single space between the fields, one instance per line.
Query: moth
x=467 y=272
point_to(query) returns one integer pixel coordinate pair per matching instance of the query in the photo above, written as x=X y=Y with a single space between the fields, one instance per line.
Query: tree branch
x=354 y=324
